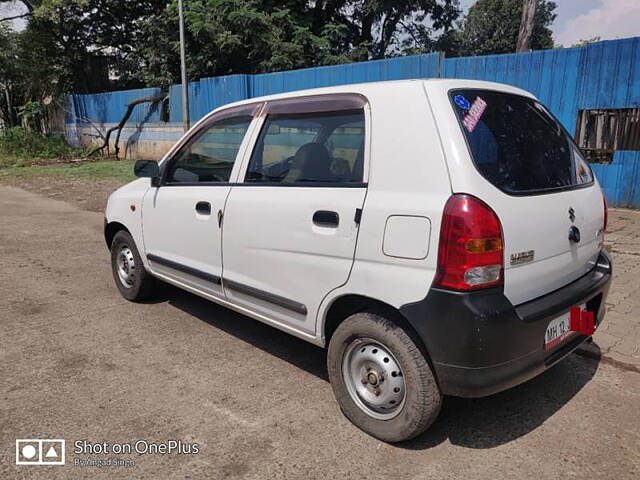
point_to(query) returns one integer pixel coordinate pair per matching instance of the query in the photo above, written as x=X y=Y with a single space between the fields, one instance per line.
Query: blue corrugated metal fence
x=600 y=75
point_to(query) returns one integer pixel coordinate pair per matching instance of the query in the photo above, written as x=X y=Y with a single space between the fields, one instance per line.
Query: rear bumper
x=481 y=344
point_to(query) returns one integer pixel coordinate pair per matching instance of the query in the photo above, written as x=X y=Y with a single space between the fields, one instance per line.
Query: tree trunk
x=387 y=29
x=127 y=114
x=526 y=26
x=318 y=17
x=366 y=33
x=10 y=114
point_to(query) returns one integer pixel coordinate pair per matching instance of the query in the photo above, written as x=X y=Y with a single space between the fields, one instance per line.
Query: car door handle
x=203 y=208
x=326 y=218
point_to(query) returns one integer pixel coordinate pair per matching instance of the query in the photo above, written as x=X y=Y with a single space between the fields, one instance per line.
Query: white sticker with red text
x=474 y=115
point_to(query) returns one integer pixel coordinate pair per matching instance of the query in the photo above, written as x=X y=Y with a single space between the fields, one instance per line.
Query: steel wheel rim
x=126 y=266
x=374 y=378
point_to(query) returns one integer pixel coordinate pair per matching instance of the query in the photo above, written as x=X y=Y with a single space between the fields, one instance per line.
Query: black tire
x=142 y=283
x=422 y=397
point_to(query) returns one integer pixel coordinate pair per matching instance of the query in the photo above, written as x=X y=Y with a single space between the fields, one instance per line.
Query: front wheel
x=131 y=278
x=381 y=379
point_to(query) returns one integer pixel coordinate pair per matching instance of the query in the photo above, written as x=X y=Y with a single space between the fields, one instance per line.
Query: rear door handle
x=326 y=218
x=203 y=208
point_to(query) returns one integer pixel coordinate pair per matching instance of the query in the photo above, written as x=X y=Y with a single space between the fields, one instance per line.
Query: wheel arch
x=110 y=230
x=346 y=305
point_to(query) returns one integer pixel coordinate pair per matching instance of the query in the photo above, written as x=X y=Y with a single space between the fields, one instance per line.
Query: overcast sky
x=577 y=19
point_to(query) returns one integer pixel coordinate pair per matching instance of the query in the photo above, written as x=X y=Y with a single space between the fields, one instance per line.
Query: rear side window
x=324 y=147
x=516 y=144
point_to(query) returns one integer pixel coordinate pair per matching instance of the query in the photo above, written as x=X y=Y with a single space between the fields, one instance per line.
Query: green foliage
x=492 y=26
x=32 y=115
x=29 y=73
x=237 y=35
x=584 y=43
x=74 y=45
x=253 y=36
x=19 y=146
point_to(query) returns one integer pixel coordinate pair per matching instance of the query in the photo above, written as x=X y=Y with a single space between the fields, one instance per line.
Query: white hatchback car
x=438 y=236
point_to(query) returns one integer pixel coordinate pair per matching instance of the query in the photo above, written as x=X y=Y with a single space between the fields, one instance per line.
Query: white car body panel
x=189 y=238
x=296 y=260
x=119 y=209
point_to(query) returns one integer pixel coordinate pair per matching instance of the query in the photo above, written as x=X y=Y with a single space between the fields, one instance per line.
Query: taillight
x=470 y=254
x=606 y=213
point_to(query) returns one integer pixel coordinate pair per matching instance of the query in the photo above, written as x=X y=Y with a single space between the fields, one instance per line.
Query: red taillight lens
x=606 y=213
x=470 y=254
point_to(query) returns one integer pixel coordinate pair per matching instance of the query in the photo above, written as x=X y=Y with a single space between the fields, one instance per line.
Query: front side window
x=210 y=155
x=516 y=144
x=325 y=147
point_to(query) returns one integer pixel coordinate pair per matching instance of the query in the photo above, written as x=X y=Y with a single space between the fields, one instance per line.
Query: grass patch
x=20 y=147
x=121 y=170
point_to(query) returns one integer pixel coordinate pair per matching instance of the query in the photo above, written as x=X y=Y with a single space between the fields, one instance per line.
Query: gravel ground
x=80 y=363
x=87 y=194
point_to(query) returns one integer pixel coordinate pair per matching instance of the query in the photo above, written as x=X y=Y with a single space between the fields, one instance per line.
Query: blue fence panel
x=109 y=107
x=621 y=180
x=610 y=74
x=207 y=94
x=416 y=66
x=601 y=75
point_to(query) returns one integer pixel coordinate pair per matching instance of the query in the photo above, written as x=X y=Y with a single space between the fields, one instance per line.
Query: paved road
x=619 y=337
x=78 y=362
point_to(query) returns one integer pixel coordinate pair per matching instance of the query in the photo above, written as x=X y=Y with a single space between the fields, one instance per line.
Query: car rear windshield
x=517 y=144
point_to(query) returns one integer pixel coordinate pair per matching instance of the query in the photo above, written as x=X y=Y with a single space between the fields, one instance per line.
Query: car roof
x=374 y=88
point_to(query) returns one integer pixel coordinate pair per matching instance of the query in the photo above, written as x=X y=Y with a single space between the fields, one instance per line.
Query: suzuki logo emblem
x=572 y=214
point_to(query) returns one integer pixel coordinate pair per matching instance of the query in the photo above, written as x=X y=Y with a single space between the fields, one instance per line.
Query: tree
x=68 y=46
x=90 y=39
x=585 y=42
x=526 y=25
x=492 y=26
x=8 y=65
x=136 y=43
x=227 y=37
x=254 y=36
x=380 y=28
x=27 y=75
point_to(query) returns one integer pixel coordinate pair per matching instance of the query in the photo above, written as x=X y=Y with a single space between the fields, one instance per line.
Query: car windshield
x=516 y=144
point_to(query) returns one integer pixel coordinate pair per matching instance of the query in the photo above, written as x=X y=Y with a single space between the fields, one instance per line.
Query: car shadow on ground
x=472 y=423
x=291 y=349
x=492 y=421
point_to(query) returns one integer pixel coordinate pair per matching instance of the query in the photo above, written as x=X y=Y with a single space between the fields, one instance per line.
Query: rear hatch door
x=528 y=169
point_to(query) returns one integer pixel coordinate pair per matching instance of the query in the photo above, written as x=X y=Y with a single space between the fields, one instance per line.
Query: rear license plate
x=558 y=331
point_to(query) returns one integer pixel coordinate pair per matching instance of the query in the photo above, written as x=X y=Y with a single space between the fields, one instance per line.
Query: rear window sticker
x=462 y=102
x=472 y=118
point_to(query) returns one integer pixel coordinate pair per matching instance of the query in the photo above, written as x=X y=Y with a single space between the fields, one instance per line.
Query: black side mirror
x=147 y=169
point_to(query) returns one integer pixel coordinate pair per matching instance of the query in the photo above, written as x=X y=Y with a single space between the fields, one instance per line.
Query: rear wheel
x=381 y=379
x=131 y=278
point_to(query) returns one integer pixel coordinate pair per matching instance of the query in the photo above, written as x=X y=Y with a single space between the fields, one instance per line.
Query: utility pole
x=526 y=25
x=183 y=71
